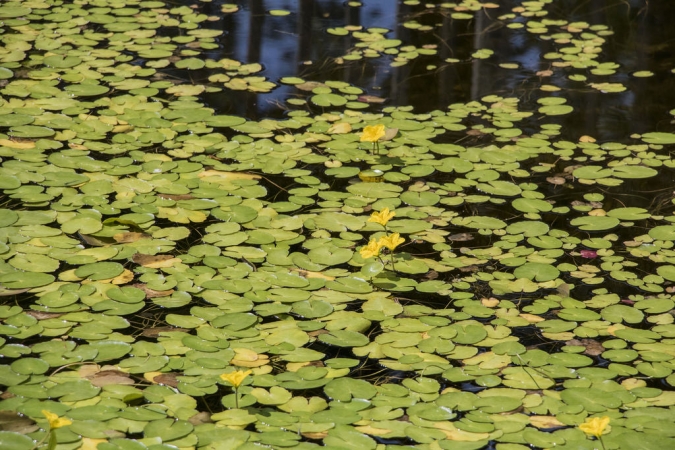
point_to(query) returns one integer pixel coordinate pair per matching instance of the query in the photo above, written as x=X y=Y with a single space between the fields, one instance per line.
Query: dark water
x=297 y=45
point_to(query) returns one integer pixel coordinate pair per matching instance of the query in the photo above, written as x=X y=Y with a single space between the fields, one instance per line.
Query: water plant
x=55 y=422
x=373 y=134
x=182 y=261
x=235 y=378
x=596 y=426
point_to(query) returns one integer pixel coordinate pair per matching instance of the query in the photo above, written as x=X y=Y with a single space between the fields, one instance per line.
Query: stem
x=602 y=443
x=392 y=261
x=48 y=435
x=52 y=440
x=236 y=398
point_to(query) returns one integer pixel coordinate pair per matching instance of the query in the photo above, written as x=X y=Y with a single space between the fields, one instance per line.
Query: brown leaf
x=123 y=278
x=200 y=418
x=154 y=261
x=157 y=331
x=570 y=169
x=40 y=315
x=94 y=241
x=544 y=73
x=460 y=237
x=489 y=302
x=545 y=422
x=593 y=347
x=228 y=176
x=371 y=99
x=106 y=377
x=315 y=435
x=168 y=379
x=389 y=134
x=151 y=293
x=131 y=236
x=17 y=423
x=564 y=289
x=309 y=274
x=556 y=180
x=16 y=144
x=309 y=85
x=431 y=275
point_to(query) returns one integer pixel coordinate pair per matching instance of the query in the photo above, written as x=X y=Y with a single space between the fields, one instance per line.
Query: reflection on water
x=297 y=45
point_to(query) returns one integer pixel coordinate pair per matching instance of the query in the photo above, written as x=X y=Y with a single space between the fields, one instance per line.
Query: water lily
x=595 y=426
x=382 y=217
x=372 y=133
x=371 y=250
x=391 y=241
x=55 y=421
x=235 y=378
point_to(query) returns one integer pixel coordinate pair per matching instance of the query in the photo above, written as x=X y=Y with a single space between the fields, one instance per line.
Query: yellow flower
x=370 y=250
x=382 y=217
x=372 y=133
x=595 y=426
x=235 y=378
x=391 y=241
x=55 y=421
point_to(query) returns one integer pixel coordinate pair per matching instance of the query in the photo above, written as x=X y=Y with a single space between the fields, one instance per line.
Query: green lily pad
x=592 y=172
x=168 y=429
x=328 y=99
x=86 y=90
x=34 y=263
x=595 y=223
x=61 y=62
x=537 y=272
x=424 y=198
x=99 y=270
x=13 y=120
x=20 y=280
x=31 y=131
x=10 y=11
x=30 y=366
x=346 y=389
x=663 y=232
x=11 y=440
x=330 y=255
x=659 y=138
x=634 y=172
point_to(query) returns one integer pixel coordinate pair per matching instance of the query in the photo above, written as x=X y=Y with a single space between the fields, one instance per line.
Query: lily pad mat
x=150 y=243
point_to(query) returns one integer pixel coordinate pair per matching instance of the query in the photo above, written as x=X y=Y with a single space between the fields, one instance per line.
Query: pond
x=349 y=225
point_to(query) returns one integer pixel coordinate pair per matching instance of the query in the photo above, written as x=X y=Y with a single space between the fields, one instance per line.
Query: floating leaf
x=659 y=138
x=595 y=223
